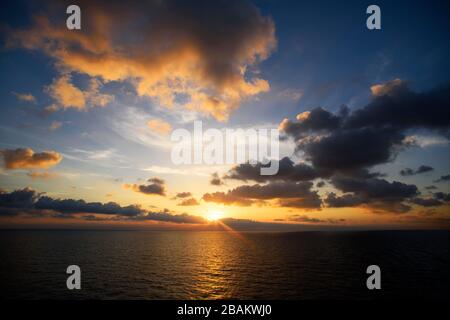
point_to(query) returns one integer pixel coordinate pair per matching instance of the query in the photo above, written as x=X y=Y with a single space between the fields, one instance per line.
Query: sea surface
x=223 y=265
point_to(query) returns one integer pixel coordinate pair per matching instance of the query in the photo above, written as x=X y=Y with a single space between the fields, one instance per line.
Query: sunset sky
x=86 y=115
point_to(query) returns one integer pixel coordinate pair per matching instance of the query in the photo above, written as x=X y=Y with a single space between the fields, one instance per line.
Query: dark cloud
x=427 y=202
x=371 y=135
x=156 y=186
x=347 y=144
x=181 y=195
x=215 y=180
x=395 y=105
x=288 y=171
x=421 y=169
x=24 y=198
x=373 y=192
x=26 y=158
x=443 y=178
x=316 y=120
x=28 y=201
x=442 y=196
x=407 y=172
x=299 y=194
x=81 y=206
x=305 y=218
x=431 y=187
x=165 y=216
x=355 y=149
x=346 y=200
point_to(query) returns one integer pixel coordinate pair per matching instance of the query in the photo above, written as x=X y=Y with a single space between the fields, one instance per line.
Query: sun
x=214 y=215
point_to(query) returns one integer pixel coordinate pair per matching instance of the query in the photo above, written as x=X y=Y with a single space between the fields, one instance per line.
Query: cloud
x=23 y=198
x=395 y=105
x=427 y=202
x=26 y=158
x=411 y=172
x=388 y=88
x=215 y=180
x=159 y=126
x=156 y=186
x=288 y=171
x=68 y=96
x=371 y=135
x=291 y=94
x=226 y=199
x=27 y=97
x=81 y=206
x=28 y=201
x=305 y=218
x=182 y=195
x=442 y=196
x=202 y=51
x=372 y=192
x=443 y=178
x=188 y=202
x=42 y=175
x=175 y=218
x=288 y=194
x=55 y=125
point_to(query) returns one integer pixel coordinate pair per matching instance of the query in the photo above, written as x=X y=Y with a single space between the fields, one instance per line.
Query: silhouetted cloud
x=308 y=219
x=288 y=171
x=373 y=192
x=443 y=178
x=156 y=186
x=22 y=198
x=28 y=201
x=421 y=169
x=288 y=194
x=371 y=135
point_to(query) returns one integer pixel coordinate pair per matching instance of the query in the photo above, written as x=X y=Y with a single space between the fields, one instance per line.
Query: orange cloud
x=203 y=51
x=26 y=158
x=68 y=96
x=41 y=175
x=28 y=97
x=387 y=88
x=160 y=126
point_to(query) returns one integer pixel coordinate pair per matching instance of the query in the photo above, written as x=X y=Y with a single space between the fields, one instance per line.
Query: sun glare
x=214 y=215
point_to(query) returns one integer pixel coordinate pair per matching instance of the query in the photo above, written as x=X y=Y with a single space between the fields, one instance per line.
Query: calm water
x=210 y=265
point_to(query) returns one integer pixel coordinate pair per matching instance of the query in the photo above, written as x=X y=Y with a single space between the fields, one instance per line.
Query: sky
x=86 y=115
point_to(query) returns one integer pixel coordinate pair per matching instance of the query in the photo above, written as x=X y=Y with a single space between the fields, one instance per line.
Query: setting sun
x=214 y=215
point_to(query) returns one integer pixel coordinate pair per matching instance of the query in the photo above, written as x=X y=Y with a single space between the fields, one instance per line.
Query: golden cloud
x=26 y=158
x=68 y=96
x=386 y=88
x=202 y=51
x=160 y=126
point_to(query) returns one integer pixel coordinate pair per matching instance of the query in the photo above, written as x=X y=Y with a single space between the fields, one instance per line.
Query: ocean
x=221 y=265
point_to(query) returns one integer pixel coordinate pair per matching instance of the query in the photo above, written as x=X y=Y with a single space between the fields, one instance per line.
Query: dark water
x=210 y=265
